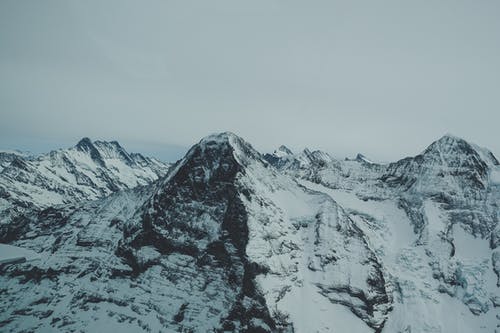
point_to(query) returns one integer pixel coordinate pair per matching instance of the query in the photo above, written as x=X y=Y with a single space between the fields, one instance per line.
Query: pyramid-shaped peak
x=450 y=144
x=363 y=159
x=85 y=143
x=450 y=139
x=282 y=151
x=215 y=158
x=86 y=146
x=454 y=152
x=360 y=156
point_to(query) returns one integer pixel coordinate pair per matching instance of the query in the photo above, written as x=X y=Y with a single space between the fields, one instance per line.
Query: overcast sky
x=384 y=78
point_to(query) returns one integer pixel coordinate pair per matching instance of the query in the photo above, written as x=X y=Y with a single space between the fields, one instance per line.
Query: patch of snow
x=10 y=253
x=495 y=176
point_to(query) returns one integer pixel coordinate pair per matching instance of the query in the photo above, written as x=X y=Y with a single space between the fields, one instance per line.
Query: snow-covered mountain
x=88 y=171
x=232 y=240
x=433 y=221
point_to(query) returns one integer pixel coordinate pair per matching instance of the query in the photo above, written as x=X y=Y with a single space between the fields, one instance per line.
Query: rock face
x=231 y=240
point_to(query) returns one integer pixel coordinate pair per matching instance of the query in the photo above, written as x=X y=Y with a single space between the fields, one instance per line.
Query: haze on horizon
x=382 y=78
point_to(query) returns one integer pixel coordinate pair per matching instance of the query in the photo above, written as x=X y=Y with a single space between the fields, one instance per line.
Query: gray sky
x=385 y=78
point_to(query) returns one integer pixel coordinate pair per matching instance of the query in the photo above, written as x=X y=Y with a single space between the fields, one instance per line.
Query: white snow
x=297 y=234
x=9 y=253
x=495 y=176
x=420 y=307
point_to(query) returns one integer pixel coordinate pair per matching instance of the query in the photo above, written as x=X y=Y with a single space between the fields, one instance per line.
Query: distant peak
x=452 y=148
x=115 y=143
x=112 y=149
x=109 y=145
x=316 y=156
x=87 y=146
x=362 y=158
x=282 y=151
x=85 y=143
x=450 y=142
x=84 y=140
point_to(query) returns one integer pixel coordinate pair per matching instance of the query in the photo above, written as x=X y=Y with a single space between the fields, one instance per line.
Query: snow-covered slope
x=432 y=219
x=88 y=171
x=12 y=254
x=230 y=240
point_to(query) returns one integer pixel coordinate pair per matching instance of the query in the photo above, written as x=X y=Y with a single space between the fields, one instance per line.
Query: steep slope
x=433 y=221
x=88 y=171
x=224 y=242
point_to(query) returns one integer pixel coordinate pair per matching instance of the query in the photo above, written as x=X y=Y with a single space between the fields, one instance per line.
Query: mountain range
x=231 y=240
x=87 y=171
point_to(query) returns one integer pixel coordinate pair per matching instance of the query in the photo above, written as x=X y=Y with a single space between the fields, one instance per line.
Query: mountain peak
x=84 y=144
x=216 y=156
x=317 y=156
x=362 y=158
x=450 y=144
x=220 y=137
x=450 y=139
x=451 y=136
x=237 y=144
x=115 y=144
x=112 y=149
x=448 y=160
x=282 y=151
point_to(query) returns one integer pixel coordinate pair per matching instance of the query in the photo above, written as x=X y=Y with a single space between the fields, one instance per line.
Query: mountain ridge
x=87 y=171
x=233 y=240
